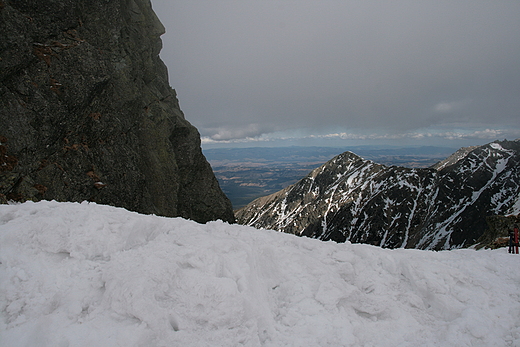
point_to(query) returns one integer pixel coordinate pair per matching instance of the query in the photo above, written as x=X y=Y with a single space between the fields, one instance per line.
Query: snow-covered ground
x=91 y=275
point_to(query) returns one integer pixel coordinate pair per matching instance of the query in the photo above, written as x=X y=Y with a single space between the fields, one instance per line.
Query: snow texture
x=91 y=275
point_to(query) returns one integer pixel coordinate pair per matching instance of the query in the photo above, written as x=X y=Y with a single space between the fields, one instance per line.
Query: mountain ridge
x=245 y=174
x=454 y=158
x=352 y=199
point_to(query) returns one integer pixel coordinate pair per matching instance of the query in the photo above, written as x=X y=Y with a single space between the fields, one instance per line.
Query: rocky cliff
x=352 y=199
x=87 y=113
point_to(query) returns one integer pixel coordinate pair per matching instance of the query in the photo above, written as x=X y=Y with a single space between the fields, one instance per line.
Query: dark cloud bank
x=400 y=71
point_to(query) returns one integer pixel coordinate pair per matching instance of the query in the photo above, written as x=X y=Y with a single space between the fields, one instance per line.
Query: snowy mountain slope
x=91 y=275
x=353 y=199
x=454 y=158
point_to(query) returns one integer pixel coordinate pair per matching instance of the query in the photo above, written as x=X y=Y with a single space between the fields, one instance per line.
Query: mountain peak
x=352 y=199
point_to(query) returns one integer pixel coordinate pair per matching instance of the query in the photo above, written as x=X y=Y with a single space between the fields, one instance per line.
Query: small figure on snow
x=513 y=240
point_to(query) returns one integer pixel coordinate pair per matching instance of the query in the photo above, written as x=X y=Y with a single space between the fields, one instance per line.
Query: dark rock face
x=352 y=199
x=87 y=113
x=454 y=158
x=497 y=233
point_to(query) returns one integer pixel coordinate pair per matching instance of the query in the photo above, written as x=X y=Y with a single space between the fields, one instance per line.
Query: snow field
x=91 y=275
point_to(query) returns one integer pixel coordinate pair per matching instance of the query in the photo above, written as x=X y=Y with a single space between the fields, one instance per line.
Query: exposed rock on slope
x=497 y=233
x=353 y=199
x=86 y=112
x=454 y=158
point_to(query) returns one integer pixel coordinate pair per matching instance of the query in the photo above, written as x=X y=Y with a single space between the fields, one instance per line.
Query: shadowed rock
x=87 y=113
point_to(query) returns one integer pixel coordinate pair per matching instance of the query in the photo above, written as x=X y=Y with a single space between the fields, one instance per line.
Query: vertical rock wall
x=87 y=113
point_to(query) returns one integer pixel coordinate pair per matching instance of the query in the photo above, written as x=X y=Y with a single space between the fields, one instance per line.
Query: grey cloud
x=384 y=66
x=225 y=133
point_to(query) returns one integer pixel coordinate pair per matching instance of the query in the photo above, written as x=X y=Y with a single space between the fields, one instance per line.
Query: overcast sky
x=250 y=72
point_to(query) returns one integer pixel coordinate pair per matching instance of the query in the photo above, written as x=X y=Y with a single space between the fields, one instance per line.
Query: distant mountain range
x=354 y=199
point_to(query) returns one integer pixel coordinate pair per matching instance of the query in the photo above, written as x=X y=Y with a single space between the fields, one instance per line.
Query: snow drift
x=91 y=275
